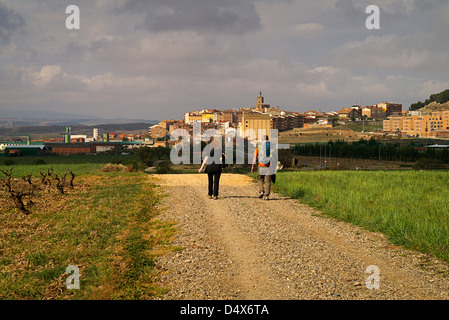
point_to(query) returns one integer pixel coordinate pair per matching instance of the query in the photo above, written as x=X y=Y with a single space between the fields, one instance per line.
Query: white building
x=95 y=134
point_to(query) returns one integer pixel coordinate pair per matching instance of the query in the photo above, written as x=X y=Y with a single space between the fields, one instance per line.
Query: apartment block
x=433 y=124
x=285 y=122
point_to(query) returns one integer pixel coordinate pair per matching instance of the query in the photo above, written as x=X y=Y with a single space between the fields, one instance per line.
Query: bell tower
x=259 y=99
x=260 y=105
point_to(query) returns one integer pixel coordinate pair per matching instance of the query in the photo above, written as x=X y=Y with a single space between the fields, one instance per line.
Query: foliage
x=39 y=161
x=371 y=149
x=441 y=97
x=429 y=164
x=111 y=167
x=9 y=162
x=165 y=168
x=148 y=155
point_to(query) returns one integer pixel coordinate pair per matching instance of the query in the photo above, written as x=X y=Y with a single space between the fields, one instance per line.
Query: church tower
x=260 y=105
x=259 y=99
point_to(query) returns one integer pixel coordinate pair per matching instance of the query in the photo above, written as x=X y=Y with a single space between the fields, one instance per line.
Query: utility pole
x=325 y=157
x=320 y=157
x=379 y=152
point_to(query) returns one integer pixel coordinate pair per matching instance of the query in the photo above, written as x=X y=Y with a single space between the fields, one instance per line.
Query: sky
x=157 y=59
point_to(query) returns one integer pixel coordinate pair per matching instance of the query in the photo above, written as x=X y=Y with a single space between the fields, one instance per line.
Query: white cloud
x=41 y=78
x=110 y=82
x=308 y=28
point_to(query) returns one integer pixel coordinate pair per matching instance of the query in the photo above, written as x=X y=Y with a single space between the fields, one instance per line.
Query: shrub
x=428 y=164
x=117 y=161
x=111 y=167
x=39 y=161
x=9 y=162
x=165 y=168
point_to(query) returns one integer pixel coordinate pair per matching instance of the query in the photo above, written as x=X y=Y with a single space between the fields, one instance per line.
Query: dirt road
x=242 y=247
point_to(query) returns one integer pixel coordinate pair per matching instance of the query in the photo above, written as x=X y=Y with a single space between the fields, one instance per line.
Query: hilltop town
x=382 y=120
x=264 y=116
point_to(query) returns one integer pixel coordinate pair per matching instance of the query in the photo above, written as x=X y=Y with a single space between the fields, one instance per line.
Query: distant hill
x=435 y=106
x=59 y=130
x=439 y=98
x=33 y=118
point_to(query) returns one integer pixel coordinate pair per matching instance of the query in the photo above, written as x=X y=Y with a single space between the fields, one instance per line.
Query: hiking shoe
x=265 y=198
x=215 y=198
x=261 y=195
x=210 y=197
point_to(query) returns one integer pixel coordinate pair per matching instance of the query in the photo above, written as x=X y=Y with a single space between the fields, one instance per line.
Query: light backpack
x=265 y=153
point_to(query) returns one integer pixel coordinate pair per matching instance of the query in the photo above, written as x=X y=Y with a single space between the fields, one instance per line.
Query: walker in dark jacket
x=213 y=171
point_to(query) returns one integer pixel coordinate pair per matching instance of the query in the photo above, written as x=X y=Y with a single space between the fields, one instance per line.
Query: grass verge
x=410 y=208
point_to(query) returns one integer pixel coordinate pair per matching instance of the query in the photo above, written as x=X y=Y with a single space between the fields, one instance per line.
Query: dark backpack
x=213 y=167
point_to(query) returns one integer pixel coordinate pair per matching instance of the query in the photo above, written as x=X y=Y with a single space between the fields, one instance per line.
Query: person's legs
x=260 y=179
x=217 y=176
x=210 y=176
x=267 y=181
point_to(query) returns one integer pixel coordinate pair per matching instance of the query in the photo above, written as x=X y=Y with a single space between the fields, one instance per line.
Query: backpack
x=213 y=167
x=264 y=155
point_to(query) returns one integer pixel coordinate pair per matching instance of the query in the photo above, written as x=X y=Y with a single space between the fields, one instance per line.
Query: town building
x=431 y=124
x=373 y=112
x=287 y=121
x=95 y=134
x=158 y=131
x=252 y=123
x=16 y=150
x=349 y=113
x=390 y=109
x=82 y=148
x=191 y=117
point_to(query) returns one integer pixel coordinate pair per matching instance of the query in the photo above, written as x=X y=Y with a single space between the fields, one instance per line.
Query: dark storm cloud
x=10 y=21
x=231 y=16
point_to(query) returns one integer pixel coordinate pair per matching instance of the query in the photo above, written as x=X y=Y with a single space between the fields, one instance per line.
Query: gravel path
x=242 y=247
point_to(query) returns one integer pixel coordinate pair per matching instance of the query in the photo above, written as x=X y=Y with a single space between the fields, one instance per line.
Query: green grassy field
x=72 y=159
x=106 y=225
x=79 y=169
x=84 y=164
x=410 y=208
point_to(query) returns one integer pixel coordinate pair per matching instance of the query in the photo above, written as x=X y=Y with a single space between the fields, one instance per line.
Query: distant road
x=242 y=247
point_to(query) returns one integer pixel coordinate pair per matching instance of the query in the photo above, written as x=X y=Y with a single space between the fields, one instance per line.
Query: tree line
x=373 y=150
